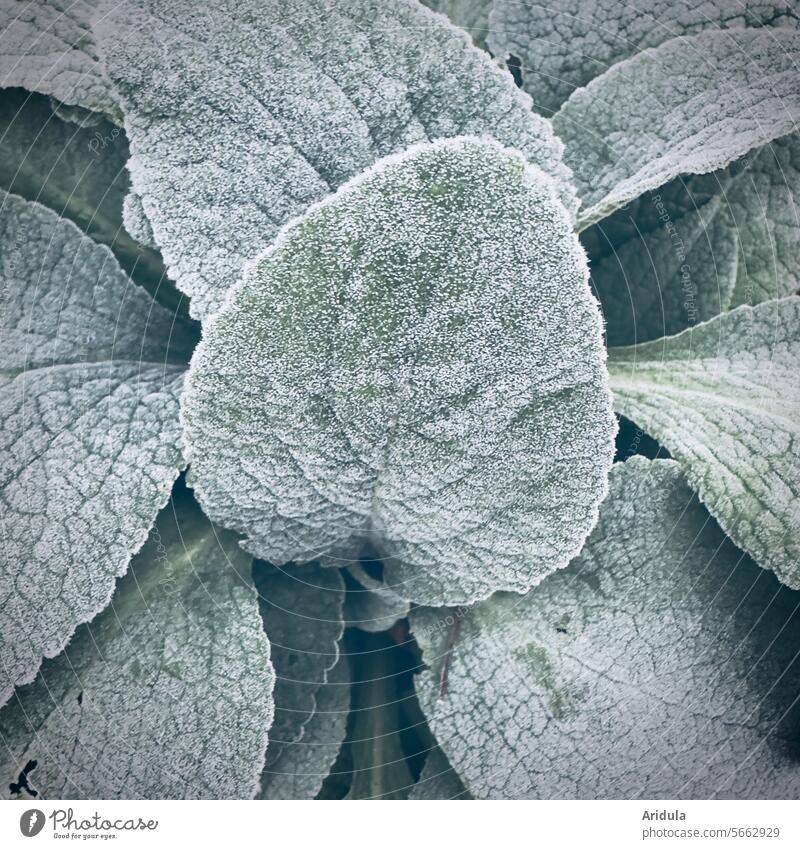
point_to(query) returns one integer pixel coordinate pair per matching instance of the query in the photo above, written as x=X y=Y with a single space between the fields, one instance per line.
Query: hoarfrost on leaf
x=662 y=663
x=167 y=694
x=690 y=106
x=89 y=444
x=242 y=114
x=298 y=769
x=471 y=15
x=49 y=47
x=563 y=45
x=302 y=612
x=417 y=361
x=724 y=399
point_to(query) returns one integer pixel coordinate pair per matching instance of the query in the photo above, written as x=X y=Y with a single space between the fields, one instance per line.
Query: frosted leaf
x=299 y=769
x=136 y=222
x=724 y=399
x=662 y=663
x=89 y=441
x=438 y=780
x=371 y=605
x=765 y=205
x=417 y=361
x=471 y=15
x=242 y=113
x=302 y=612
x=566 y=44
x=167 y=694
x=667 y=261
x=48 y=47
x=77 y=171
x=690 y=106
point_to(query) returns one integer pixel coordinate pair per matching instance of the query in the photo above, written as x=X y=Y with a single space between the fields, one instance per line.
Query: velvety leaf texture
x=564 y=45
x=77 y=171
x=302 y=612
x=661 y=664
x=471 y=15
x=765 y=207
x=167 y=694
x=635 y=128
x=298 y=769
x=242 y=114
x=49 y=47
x=89 y=440
x=417 y=362
x=724 y=399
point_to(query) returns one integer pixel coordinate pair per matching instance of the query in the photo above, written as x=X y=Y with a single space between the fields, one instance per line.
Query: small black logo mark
x=31 y=822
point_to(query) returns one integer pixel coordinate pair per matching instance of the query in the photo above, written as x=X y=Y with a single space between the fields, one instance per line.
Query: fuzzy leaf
x=661 y=664
x=89 y=443
x=418 y=361
x=470 y=15
x=765 y=206
x=302 y=613
x=438 y=780
x=49 y=47
x=634 y=129
x=566 y=44
x=297 y=96
x=167 y=694
x=298 y=770
x=78 y=172
x=723 y=399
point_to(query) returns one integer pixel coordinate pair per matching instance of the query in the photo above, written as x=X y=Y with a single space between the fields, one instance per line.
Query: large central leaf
x=418 y=360
x=241 y=114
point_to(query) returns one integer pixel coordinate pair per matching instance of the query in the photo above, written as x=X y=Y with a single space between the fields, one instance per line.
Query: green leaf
x=298 y=770
x=49 y=47
x=634 y=129
x=298 y=96
x=438 y=780
x=79 y=172
x=723 y=399
x=370 y=604
x=302 y=613
x=764 y=205
x=417 y=362
x=470 y=15
x=566 y=44
x=167 y=694
x=90 y=370
x=661 y=664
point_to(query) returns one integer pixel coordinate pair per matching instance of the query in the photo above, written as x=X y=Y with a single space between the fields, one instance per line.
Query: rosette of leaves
x=315 y=322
